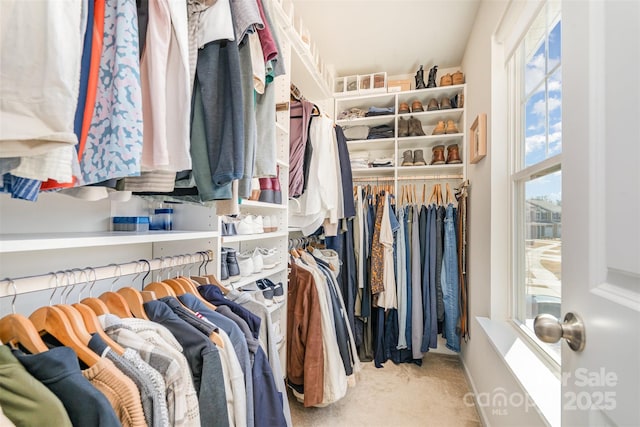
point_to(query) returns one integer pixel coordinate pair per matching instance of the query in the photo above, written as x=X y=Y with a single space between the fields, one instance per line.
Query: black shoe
x=232 y=262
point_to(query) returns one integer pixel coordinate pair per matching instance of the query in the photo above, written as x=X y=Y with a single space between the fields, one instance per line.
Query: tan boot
x=437 y=157
x=407 y=158
x=403 y=127
x=446 y=80
x=451 y=127
x=439 y=129
x=415 y=127
x=453 y=155
x=457 y=78
x=418 y=158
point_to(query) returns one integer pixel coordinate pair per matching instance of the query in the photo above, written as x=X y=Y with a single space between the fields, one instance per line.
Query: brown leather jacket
x=305 y=360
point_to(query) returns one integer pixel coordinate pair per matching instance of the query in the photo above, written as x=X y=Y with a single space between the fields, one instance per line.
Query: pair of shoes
x=416 y=107
x=270 y=257
x=413 y=159
x=250 y=224
x=278 y=290
x=441 y=129
x=456 y=78
x=409 y=127
x=229 y=268
x=228 y=226
x=250 y=262
x=444 y=104
x=453 y=155
x=270 y=190
x=270 y=223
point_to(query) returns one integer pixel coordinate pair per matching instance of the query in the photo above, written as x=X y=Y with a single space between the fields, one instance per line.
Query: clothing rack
x=52 y=281
x=303 y=242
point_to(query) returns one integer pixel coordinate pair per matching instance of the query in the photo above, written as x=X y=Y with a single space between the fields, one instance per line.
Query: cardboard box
x=398 y=85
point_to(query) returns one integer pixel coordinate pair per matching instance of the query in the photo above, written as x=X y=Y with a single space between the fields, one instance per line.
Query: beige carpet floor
x=402 y=395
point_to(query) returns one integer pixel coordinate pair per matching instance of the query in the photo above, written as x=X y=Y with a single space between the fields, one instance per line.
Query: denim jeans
x=407 y=242
x=450 y=282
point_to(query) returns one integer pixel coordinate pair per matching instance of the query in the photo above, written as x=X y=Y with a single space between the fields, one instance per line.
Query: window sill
x=533 y=375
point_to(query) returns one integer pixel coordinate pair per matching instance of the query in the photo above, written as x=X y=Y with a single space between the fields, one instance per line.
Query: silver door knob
x=550 y=330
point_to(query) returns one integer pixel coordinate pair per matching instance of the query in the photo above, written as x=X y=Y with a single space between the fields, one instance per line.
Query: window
x=535 y=87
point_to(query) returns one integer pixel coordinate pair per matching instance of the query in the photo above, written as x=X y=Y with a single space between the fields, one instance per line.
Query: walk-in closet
x=292 y=213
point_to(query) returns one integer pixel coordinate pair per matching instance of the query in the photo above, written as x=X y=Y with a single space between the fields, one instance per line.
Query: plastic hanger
x=17 y=329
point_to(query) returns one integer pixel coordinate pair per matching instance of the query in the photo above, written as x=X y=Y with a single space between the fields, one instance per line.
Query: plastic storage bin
x=162 y=219
x=130 y=223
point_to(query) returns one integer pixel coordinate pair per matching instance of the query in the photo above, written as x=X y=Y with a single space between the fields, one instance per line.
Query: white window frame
x=518 y=177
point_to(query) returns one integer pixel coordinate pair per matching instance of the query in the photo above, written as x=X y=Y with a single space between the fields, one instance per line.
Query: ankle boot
x=446 y=80
x=415 y=127
x=407 y=158
x=403 y=127
x=224 y=269
x=232 y=263
x=438 y=155
x=451 y=127
x=266 y=190
x=439 y=129
x=453 y=155
x=418 y=158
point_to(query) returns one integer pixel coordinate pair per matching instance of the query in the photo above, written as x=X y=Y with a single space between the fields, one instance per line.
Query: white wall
x=487 y=371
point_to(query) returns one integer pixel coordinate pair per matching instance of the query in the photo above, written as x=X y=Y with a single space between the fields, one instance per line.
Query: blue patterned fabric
x=20 y=188
x=114 y=143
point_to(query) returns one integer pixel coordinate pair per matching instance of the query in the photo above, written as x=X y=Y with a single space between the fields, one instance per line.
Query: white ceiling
x=396 y=36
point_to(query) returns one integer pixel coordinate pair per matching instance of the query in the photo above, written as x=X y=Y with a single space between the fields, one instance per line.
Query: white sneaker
x=258 y=224
x=245 y=263
x=258 y=262
x=267 y=224
x=270 y=257
x=246 y=225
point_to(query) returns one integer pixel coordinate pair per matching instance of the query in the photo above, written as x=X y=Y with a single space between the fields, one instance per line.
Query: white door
x=601 y=210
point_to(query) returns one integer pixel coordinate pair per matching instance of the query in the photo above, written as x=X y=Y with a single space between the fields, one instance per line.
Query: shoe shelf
x=244 y=281
x=250 y=237
x=432 y=117
x=49 y=241
x=428 y=141
x=363 y=102
x=261 y=205
x=424 y=95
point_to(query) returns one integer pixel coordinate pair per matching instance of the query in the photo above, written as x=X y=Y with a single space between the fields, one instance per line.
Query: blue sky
x=543 y=113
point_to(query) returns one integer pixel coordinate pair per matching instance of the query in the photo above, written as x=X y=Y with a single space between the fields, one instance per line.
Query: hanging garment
x=246 y=19
x=416 y=287
x=388 y=296
x=377 y=252
x=305 y=346
x=204 y=363
x=300 y=118
x=401 y=262
x=20 y=392
x=167 y=359
x=114 y=143
x=450 y=282
x=59 y=370
x=39 y=102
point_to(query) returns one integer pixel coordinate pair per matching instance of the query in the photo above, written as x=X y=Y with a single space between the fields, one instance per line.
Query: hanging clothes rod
x=407 y=178
x=49 y=281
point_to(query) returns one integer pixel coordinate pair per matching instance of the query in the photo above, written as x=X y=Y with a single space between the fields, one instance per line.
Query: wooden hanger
x=450 y=197
x=135 y=301
x=160 y=289
x=52 y=320
x=211 y=280
x=117 y=304
x=91 y=324
x=16 y=329
x=98 y=306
